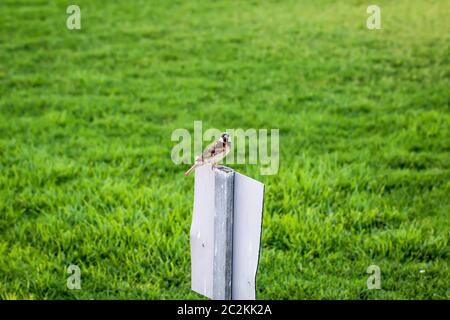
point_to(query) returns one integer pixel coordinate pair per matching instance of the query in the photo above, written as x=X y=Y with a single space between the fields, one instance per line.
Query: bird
x=213 y=153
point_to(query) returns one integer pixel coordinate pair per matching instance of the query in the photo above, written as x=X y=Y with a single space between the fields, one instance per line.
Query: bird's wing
x=213 y=149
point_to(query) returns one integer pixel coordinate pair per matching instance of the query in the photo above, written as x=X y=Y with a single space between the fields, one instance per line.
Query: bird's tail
x=191 y=169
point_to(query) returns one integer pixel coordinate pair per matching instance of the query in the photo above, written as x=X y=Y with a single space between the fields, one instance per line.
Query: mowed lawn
x=86 y=117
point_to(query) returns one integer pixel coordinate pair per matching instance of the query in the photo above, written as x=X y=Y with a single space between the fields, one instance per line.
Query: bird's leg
x=213 y=165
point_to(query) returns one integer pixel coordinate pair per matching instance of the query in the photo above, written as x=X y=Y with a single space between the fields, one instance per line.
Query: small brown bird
x=215 y=152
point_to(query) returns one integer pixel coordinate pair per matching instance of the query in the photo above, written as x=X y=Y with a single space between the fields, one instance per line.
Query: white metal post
x=223 y=233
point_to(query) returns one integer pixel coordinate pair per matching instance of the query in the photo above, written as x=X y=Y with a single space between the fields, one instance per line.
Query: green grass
x=86 y=117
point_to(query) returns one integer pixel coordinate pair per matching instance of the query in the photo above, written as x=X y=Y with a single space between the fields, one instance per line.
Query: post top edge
x=223 y=169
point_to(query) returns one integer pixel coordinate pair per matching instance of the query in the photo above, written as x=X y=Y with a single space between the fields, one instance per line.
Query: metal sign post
x=225 y=233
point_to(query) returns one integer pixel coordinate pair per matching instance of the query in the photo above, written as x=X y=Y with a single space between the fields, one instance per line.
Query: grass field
x=86 y=118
